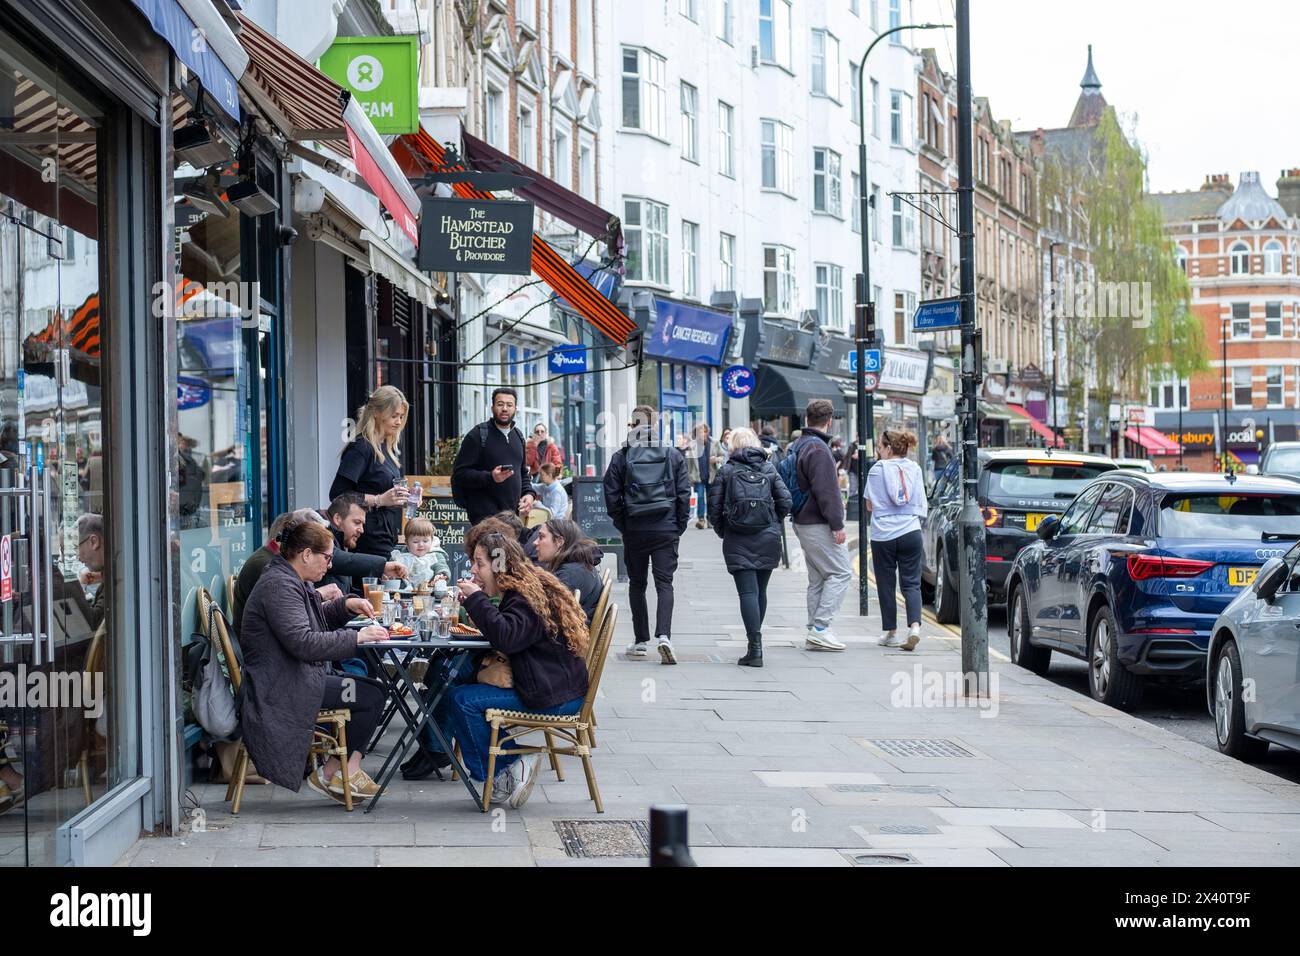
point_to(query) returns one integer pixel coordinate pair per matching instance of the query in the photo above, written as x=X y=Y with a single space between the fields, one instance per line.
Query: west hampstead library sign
x=469 y=235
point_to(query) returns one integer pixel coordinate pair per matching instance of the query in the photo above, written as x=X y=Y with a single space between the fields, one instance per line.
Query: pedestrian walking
x=648 y=497
x=747 y=504
x=704 y=457
x=542 y=450
x=489 y=474
x=370 y=466
x=809 y=473
x=771 y=444
x=940 y=455
x=896 y=499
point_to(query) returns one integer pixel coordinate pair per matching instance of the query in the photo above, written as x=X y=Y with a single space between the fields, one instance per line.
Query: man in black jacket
x=347 y=518
x=648 y=497
x=489 y=474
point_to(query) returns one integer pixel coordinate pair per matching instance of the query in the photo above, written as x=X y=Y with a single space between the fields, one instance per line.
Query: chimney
x=1288 y=191
x=1218 y=182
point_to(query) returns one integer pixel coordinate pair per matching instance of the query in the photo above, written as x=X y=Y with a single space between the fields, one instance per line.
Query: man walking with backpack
x=809 y=471
x=489 y=474
x=648 y=497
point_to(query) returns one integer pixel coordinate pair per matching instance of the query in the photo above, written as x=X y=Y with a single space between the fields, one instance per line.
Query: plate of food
x=400 y=630
x=464 y=630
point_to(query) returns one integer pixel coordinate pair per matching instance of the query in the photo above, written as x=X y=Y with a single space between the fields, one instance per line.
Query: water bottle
x=413 y=502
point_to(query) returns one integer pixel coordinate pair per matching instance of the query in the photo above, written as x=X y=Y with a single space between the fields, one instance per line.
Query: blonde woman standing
x=369 y=466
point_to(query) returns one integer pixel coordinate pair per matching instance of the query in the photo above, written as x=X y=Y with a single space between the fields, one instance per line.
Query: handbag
x=495 y=670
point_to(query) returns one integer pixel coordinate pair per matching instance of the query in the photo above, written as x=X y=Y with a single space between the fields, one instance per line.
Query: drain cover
x=882 y=788
x=905 y=828
x=920 y=747
x=882 y=859
x=604 y=838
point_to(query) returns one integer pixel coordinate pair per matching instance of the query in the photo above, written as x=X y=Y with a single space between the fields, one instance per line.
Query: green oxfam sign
x=381 y=73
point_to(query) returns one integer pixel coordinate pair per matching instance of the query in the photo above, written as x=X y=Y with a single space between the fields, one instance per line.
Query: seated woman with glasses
x=288 y=635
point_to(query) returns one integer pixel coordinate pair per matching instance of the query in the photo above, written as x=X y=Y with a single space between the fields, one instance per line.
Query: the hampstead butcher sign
x=467 y=235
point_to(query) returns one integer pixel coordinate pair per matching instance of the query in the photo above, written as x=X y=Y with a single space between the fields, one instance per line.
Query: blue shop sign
x=568 y=360
x=684 y=333
x=603 y=280
x=737 y=381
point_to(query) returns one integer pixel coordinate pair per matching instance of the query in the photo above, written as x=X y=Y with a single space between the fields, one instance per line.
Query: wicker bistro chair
x=537 y=515
x=575 y=729
x=95 y=663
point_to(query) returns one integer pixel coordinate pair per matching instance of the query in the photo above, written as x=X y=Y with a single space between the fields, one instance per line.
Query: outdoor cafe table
x=400 y=684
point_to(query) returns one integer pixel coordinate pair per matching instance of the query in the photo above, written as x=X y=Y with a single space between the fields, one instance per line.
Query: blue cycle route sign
x=937 y=314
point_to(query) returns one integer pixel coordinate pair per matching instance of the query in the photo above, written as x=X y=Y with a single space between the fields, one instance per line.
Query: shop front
x=684 y=349
x=836 y=358
x=785 y=381
x=1204 y=440
x=904 y=379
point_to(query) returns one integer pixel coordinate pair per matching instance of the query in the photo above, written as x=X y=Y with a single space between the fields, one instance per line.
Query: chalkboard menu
x=593 y=518
x=449 y=520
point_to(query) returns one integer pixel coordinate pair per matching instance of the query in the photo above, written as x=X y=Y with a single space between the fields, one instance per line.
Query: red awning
x=548 y=264
x=1053 y=440
x=1152 y=440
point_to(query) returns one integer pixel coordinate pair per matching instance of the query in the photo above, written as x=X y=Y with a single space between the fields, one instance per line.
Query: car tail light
x=1143 y=566
x=992 y=517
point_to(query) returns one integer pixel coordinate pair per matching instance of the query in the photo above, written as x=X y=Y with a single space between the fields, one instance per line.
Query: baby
x=554 y=497
x=424 y=558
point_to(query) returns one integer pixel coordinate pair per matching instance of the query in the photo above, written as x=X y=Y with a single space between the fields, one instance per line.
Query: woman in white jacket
x=896 y=499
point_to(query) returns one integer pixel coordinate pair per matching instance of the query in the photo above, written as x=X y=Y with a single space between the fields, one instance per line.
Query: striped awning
x=48 y=129
x=548 y=264
x=80 y=332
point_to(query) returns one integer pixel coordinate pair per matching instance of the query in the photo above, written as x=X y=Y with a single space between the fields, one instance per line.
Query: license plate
x=1241 y=577
x=1032 y=521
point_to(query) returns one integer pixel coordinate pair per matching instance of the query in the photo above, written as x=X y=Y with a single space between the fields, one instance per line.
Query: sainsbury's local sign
x=469 y=235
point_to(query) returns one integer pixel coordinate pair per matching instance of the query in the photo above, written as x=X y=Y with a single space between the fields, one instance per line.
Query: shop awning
x=548 y=264
x=1053 y=440
x=387 y=263
x=994 y=412
x=1152 y=440
x=218 y=61
x=781 y=390
x=560 y=202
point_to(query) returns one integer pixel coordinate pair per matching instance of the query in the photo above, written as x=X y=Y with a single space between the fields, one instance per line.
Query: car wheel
x=1108 y=680
x=1023 y=653
x=1230 y=709
x=945 y=594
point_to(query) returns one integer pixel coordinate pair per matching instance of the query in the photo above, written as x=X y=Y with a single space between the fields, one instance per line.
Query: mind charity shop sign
x=470 y=235
x=381 y=73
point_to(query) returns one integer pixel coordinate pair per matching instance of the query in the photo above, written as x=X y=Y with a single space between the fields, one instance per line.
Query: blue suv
x=1132 y=576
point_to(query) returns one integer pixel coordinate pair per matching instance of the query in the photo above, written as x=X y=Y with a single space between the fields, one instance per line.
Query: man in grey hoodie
x=819 y=525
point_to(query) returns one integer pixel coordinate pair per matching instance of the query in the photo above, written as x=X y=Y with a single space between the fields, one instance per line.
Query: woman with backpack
x=747 y=503
x=896 y=499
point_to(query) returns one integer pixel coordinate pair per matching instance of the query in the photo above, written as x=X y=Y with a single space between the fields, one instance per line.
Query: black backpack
x=649 y=486
x=749 y=501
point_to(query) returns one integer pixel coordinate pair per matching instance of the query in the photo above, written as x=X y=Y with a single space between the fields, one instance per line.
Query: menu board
x=593 y=518
x=449 y=520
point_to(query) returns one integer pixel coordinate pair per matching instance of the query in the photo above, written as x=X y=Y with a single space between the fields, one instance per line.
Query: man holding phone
x=489 y=473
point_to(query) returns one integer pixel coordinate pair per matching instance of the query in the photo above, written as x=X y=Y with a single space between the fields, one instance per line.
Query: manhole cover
x=882 y=788
x=604 y=838
x=905 y=828
x=882 y=859
x=920 y=747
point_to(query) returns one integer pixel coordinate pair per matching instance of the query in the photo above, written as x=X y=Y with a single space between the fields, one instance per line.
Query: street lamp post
x=865 y=323
x=1056 y=366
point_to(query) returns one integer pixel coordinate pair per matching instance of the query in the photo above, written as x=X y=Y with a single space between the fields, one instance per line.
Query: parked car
x=1256 y=646
x=1133 y=575
x=1135 y=464
x=1281 y=458
x=1018 y=488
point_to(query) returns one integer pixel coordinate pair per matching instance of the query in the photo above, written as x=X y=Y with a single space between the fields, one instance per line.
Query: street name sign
x=935 y=315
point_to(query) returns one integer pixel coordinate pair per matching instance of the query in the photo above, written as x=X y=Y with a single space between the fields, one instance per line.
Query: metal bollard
x=669 y=837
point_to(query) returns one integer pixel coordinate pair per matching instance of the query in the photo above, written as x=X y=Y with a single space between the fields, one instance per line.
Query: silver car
x=1253 y=663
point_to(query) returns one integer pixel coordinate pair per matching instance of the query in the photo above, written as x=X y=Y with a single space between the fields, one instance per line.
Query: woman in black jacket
x=747 y=503
x=542 y=629
x=571 y=556
x=287 y=634
x=369 y=466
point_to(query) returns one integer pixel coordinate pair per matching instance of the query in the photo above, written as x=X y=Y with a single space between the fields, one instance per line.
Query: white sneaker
x=666 y=655
x=913 y=638
x=890 y=639
x=822 y=639
x=641 y=649
x=524 y=776
x=502 y=785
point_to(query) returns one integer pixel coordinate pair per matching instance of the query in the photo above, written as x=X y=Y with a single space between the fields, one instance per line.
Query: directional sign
x=936 y=314
x=870 y=380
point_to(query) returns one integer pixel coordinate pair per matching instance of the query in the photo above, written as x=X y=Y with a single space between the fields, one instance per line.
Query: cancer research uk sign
x=469 y=235
x=685 y=333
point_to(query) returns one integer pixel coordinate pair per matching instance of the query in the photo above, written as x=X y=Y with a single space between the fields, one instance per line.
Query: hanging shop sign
x=568 y=360
x=382 y=75
x=684 y=333
x=468 y=235
x=905 y=371
x=737 y=382
x=786 y=345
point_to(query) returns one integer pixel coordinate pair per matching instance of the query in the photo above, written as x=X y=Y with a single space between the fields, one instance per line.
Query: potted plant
x=440 y=463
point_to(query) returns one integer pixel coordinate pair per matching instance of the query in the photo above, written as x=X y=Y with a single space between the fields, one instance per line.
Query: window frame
x=782 y=148
x=690 y=259
x=1249 y=386
x=785 y=283
x=830 y=177
x=726 y=139
x=689 y=95
x=1239 y=254
x=648 y=240
x=1281 y=386
x=652 y=92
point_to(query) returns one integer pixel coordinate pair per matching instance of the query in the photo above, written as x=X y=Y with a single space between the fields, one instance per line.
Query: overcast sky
x=1211 y=84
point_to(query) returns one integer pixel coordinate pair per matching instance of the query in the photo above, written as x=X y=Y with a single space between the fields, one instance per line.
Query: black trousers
x=363 y=697
x=641 y=552
x=897 y=563
x=751 y=588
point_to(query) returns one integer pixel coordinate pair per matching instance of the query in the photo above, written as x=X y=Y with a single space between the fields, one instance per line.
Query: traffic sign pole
x=865 y=334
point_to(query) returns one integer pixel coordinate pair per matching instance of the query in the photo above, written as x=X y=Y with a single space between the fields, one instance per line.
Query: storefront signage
x=684 y=333
x=1197 y=438
x=568 y=360
x=382 y=75
x=737 y=382
x=1246 y=435
x=786 y=345
x=905 y=371
x=837 y=357
x=938 y=406
x=469 y=235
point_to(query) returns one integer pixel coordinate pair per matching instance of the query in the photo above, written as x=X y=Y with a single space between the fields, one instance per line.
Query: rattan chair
x=537 y=515
x=95 y=656
x=510 y=725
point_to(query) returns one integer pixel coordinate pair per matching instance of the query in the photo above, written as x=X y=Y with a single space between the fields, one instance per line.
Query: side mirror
x=1048 y=527
x=1270 y=578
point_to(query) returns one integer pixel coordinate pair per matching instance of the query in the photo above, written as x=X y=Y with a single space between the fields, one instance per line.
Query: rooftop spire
x=1090 y=81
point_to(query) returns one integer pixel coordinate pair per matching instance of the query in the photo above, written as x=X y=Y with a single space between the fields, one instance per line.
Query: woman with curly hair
x=543 y=630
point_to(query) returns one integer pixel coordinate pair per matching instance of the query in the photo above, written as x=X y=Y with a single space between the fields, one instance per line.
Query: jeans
x=640 y=551
x=463 y=673
x=467 y=705
x=701 y=499
x=901 y=555
x=829 y=572
x=751 y=588
x=363 y=698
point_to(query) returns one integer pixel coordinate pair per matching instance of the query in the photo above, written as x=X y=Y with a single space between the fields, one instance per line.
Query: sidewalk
x=815 y=759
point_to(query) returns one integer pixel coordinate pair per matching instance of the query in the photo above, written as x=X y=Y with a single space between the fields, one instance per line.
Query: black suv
x=1018 y=487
